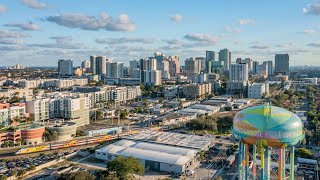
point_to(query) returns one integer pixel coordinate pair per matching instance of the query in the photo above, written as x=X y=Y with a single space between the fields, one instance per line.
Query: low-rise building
x=174 y=118
x=193 y=91
x=258 y=90
x=236 y=87
x=157 y=157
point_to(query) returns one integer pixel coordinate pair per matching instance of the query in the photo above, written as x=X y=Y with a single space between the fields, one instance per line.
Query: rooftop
x=149 y=151
x=173 y=139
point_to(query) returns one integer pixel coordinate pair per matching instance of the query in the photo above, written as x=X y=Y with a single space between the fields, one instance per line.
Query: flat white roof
x=149 y=151
x=173 y=139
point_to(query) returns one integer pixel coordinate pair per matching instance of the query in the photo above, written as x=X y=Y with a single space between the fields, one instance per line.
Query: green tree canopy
x=304 y=153
x=124 y=167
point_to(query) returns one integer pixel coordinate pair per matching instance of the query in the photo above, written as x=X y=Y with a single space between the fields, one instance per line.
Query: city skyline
x=40 y=32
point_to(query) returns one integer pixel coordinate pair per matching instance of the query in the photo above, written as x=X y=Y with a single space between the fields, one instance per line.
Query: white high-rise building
x=149 y=73
x=65 y=67
x=239 y=72
x=164 y=68
x=152 y=77
x=115 y=70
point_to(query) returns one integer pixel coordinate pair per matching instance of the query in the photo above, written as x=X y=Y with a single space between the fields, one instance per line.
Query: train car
x=33 y=149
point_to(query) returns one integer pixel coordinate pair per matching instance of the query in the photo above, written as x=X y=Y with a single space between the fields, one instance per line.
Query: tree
x=5 y=144
x=80 y=175
x=124 y=113
x=303 y=153
x=3 y=177
x=80 y=132
x=55 y=135
x=124 y=167
x=13 y=172
x=21 y=172
x=218 y=178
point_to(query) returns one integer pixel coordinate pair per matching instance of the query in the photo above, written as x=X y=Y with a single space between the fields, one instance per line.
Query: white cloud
x=62 y=42
x=35 y=4
x=246 y=21
x=200 y=37
x=285 y=45
x=314 y=44
x=3 y=9
x=176 y=18
x=259 y=47
x=312 y=9
x=173 y=41
x=11 y=41
x=232 y=29
x=11 y=34
x=85 y=22
x=13 y=48
x=29 y=26
x=124 y=40
x=309 y=31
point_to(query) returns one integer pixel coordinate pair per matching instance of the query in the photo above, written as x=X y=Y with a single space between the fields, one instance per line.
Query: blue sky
x=39 y=32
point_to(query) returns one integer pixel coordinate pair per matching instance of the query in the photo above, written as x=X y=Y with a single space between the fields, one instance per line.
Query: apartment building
x=192 y=91
x=9 y=112
x=70 y=106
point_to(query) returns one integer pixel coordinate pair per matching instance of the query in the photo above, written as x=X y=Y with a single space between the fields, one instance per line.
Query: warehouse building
x=157 y=157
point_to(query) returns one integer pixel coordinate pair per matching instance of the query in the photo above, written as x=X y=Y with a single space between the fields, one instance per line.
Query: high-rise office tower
x=270 y=67
x=174 y=65
x=85 y=64
x=249 y=61
x=134 y=64
x=282 y=64
x=115 y=70
x=93 y=64
x=239 y=72
x=191 y=67
x=255 y=67
x=65 y=67
x=149 y=73
x=201 y=63
x=159 y=58
x=263 y=70
x=210 y=55
x=225 y=57
x=101 y=65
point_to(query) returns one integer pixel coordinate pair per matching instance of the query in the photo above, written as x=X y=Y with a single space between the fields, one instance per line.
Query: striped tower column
x=240 y=160
x=247 y=161
x=243 y=160
x=267 y=163
x=280 y=163
x=262 y=162
x=254 y=167
x=283 y=161
x=292 y=163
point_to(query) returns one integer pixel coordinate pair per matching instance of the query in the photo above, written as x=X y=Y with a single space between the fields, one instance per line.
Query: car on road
x=189 y=172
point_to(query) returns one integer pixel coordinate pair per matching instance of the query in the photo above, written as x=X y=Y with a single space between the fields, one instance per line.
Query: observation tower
x=267 y=135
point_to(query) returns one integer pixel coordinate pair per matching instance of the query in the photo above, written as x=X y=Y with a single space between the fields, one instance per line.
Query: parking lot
x=9 y=167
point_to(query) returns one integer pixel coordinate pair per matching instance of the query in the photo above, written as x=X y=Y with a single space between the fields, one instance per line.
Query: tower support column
x=292 y=163
x=247 y=162
x=254 y=161
x=240 y=160
x=266 y=163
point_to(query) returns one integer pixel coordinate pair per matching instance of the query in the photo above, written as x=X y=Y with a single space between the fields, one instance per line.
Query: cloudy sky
x=39 y=32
